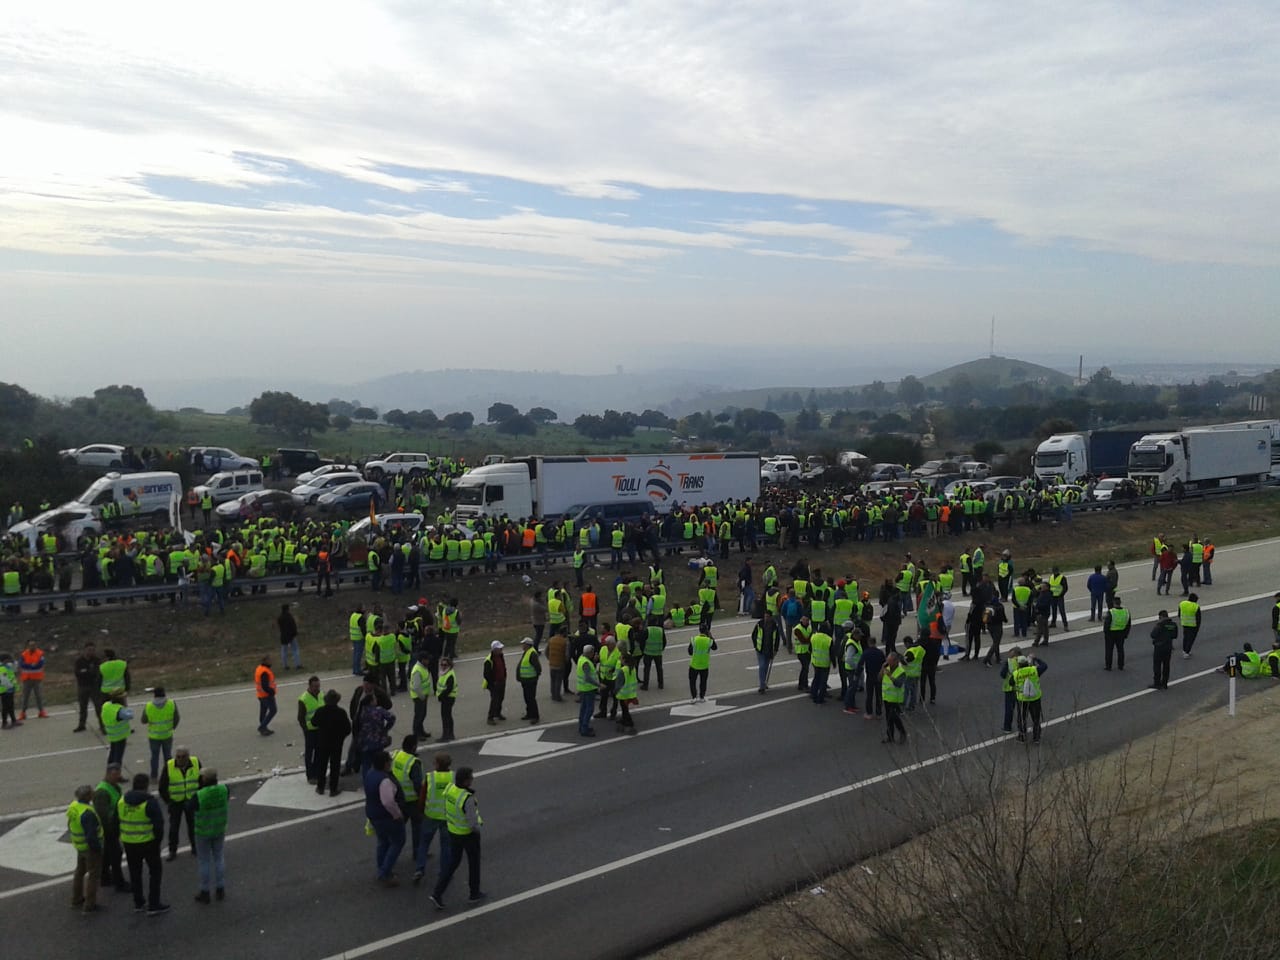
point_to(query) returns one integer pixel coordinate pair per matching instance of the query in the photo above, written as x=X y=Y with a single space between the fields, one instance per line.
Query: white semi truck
x=1202 y=457
x=538 y=486
x=1069 y=457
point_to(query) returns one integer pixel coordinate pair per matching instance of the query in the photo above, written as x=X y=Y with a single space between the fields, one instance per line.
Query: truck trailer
x=1069 y=457
x=1201 y=458
x=538 y=486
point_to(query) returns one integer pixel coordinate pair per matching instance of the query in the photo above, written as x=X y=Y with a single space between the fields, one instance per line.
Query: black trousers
x=1160 y=658
x=112 y=860
x=893 y=720
x=84 y=697
x=649 y=660
x=698 y=682
x=497 y=693
x=328 y=758
x=177 y=812
x=1029 y=708
x=530 y=690
x=458 y=845
x=1113 y=643
x=149 y=854
x=604 y=693
x=446 y=718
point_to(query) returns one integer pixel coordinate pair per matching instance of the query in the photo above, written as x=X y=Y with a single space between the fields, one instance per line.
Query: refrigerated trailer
x=1202 y=457
x=538 y=486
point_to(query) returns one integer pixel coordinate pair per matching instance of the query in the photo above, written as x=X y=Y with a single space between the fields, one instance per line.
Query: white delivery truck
x=1070 y=457
x=549 y=486
x=1202 y=458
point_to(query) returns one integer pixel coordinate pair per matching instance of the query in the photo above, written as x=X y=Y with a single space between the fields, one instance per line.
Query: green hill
x=1000 y=372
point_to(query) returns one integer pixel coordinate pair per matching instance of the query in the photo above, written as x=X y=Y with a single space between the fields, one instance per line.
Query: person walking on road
x=700 y=647
x=463 y=820
x=209 y=807
x=141 y=827
x=87 y=837
x=309 y=702
x=1163 y=634
x=1115 y=631
x=162 y=718
x=1189 y=620
x=628 y=691
x=764 y=637
x=178 y=784
x=384 y=808
x=528 y=670
x=1026 y=687
x=438 y=782
x=893 y=683
x=1006 y=684
x=87 y=683
x=587 y=682
x=407 y=769
x=333 y=726
x=115 y=719
x=264 y=687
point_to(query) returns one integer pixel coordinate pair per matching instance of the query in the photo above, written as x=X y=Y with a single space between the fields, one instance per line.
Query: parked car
x=975 y=469
x=327 y=469
x=259 y=503
x=68 y=523
x=230 y=484
x=979 y=487
x=1006 y=482
x=351 y=498
x=292 y=461
x=306 y=494
x=1115 y=488
x=360 y=533
x=931 y=468
x=409 y=464
x=781 y=470
x=217 y=459
x=889 y=471
x=109 y=455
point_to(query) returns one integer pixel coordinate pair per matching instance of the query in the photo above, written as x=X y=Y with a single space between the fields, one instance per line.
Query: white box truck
x=1069 y=457
x=1202 y=457
x=549 y=486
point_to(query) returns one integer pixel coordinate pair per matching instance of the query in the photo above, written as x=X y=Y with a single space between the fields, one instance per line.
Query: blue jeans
x=912 y=693
x=585 y=709
x=818 y=689
x=159 y=747
x=209 y=861
x=357 y=658
x=762 y=662
x=266 y=711
x=390 y=834
x=285 y=649
x=748 y=601
x=424 y=832
x=1096 y=605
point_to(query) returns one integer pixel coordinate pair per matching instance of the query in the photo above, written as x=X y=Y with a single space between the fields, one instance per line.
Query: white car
x=70 y=522
x=979 y=487
x=110 y=455
x=1115 y=488
x=216 y=459
x=410 y=464
x=975 y=469
x=230 y=485
x=781 y=470
x=327 y=469
x=308 y=493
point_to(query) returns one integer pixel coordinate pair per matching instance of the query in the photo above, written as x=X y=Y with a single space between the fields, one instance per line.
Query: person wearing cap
x=1163 y=634
x=495 y=681
x=161 y=717
x=87 y=837
x=527 y=672
x=587 y=683
x=1026 y=687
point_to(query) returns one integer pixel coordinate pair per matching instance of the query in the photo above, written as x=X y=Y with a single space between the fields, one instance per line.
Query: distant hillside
x=1000 y=372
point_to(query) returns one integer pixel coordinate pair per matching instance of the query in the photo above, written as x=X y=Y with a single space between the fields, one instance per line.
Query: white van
x=153 y=495
x=68 y=523
x=230 y=484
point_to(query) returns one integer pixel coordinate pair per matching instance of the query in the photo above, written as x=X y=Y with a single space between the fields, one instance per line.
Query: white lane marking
x=615 y=865
x=526 y=744
x=51 y=753
x=34 y=847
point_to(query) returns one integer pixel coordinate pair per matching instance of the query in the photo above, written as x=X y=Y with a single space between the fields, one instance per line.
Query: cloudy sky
x=362 y=187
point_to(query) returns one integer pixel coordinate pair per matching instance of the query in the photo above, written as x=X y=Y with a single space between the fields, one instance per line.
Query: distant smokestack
x=1080 y=375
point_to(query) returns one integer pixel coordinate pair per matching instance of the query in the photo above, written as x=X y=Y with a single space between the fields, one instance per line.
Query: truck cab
x=494 y=490
x=1157 y=457
x=1062 y=455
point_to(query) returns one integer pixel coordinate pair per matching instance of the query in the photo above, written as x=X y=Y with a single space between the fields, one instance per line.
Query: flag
x=373 y=510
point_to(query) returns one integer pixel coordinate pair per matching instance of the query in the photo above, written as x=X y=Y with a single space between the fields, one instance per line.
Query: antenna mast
x=993 y=336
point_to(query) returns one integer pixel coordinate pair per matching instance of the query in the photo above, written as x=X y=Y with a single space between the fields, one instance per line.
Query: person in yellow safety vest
x=87 y=838
x=178 y=784
x=1250 y=663
x=1058 y=587
x=436 y=785
x=162 y=718
x=1271 y=662
x=309 y=701
x=820 y=657
x=700 y=647
x=586 y=683
x=1189 y=620
x=1157 y=547
x=450 y=623
x=141 y=826
x=421 y=686
x=1026 y=687
x=463 y=822
x=528 y=671
x=1115 y=630
x=893 y=682
x=800 y=636
x=115 y=717
x=913 y=664
x=407 y=769
x=446 y=693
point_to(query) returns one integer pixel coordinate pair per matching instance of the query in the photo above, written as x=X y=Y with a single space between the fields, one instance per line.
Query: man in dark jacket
x=1162 y=636
x=332 y=727
x=88 y=683
x=141 y=827
x=764 y=637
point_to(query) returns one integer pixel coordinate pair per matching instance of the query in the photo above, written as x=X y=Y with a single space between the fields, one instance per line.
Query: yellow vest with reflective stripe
x=401 y=768
x=135 y=825
x=437 y=784
x=311 y=704
x=78 y=840
x=159 y=720
x=454 y=802
x=182 y=787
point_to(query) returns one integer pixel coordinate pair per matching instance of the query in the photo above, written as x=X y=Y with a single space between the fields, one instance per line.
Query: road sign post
x=1231 y=686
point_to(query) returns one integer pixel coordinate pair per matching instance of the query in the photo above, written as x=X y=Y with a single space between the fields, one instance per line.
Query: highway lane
x=695 y=818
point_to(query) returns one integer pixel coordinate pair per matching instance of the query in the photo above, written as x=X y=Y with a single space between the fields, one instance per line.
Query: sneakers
x=1186 y=656
x=417 y=877
x=220 y=894
x=852 y=712
x=22 y=715
x=43 y=715
x=439 y=904
x=203 y=897
x=477 y=896
x=157 y=910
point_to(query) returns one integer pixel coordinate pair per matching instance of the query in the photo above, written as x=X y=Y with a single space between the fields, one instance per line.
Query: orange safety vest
x=27 y=660
x=945 y=513
x=257 y=682
x=192 y=499
x=588 y=604
x=527 y=539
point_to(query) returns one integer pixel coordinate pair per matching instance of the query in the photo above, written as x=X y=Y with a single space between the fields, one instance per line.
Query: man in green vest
x=87 y=838
x=209 y=806
x=1115 y=630
x=700 y=648
x=655 y=642
x=105 y=797
x=1026 y=687
x=1189 y=620
x=115 y=717
x=913 y=664
x=463 y=822
x=528 y=670
x=309 y=701
x=408 y=772
x=587 y=683
x=178 y=784
x=161 y=717
x=141 y=826
x=113 y=673
x=800 y=636
x=893 y=682
x=820 y=657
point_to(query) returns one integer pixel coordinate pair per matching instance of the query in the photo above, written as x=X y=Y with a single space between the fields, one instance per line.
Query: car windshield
x=1150 y=458
x=471 y=496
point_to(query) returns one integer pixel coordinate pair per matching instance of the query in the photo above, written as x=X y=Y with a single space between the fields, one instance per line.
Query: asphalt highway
x=611 y=846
